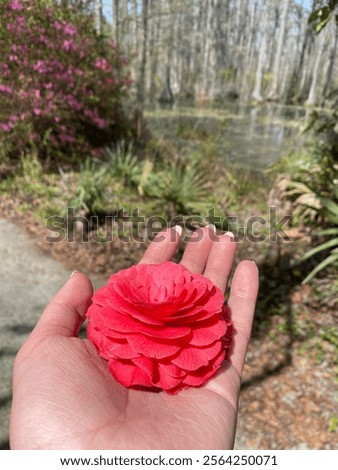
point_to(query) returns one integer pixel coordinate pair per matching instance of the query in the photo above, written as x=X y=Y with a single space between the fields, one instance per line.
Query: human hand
x=65 y=398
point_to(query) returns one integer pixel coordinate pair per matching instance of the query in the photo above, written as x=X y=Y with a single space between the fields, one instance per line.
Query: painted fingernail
x=74 y=272
x=178 y=229
x=212 y=227
x=230 y=234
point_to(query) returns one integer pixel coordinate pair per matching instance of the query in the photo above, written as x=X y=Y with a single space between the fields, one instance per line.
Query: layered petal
x=160 y=326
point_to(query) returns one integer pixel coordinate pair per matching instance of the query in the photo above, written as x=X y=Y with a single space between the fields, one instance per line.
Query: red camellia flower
x=160 y=326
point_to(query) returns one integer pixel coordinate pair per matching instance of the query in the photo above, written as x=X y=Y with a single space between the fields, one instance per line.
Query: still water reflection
x=252 y=137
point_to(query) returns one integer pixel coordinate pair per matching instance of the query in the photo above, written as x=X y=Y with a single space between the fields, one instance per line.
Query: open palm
x=65 y=398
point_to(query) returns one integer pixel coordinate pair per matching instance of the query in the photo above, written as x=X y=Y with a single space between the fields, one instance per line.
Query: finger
x=220 y=260
x=242 y=302
x=163 y=247
x=198 y=249
x=65 y=314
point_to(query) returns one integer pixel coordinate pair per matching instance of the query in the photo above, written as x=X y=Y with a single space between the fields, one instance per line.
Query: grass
x=333 y=424
x=37 y=192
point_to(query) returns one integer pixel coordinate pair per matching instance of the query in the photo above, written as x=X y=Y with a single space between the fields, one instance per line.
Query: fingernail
x=73 y=273
x=230 y=234
x=178 y=229
x=212 y=227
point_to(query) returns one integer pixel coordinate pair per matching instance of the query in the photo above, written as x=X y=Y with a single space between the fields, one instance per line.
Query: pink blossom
x=102 y=64
x=70 y=29
x=73 y=103
x=6 y=127
x=39 y=66
x=5 y=69
x=16 y=5
x=57 y=25
x=67 y=45
x=67 y=138
x=101 y=123
x=37 y=111
x=5 y=89
x=49 y=12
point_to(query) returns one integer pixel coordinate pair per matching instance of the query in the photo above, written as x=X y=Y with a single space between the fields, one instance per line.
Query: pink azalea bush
x=61 y=86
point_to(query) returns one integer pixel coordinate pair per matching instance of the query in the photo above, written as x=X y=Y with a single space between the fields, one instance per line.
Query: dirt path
x=28 y=280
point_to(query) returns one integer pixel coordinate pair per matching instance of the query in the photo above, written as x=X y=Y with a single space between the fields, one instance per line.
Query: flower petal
x=192 y=358
x=127 y=374
x=152 y=348
x=200 y=376
x=166 y=381
x=209 y=332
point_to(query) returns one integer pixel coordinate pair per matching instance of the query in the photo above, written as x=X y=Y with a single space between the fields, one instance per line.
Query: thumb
x=65 y=313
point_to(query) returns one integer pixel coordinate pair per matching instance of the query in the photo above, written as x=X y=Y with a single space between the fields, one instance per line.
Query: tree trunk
x=257 y=93
x=312 y=96
x=153 y=47
x=331 y=65
x=250 y=50
x=142 y=74
x=207 y=47
x=273 y=93
x=116 y=21
x=98 y=16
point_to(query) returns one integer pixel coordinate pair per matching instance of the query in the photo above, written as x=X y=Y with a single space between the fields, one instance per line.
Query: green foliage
x=314 y=346
x=333 y=424
x=123 y=164
x=36 y=192
x=320 y=17
x=90 y=186
x=329 y=260
x=183 y=185
x=186 y=131
x=310 y=182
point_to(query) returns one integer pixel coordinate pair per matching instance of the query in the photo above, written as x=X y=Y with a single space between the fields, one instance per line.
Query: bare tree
x=257 y=93
x=330 y=67
x=116 y=20
x=142 y=74
x=273 y=92
x=313 y=92
x=98 y=16
x=259 y=49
